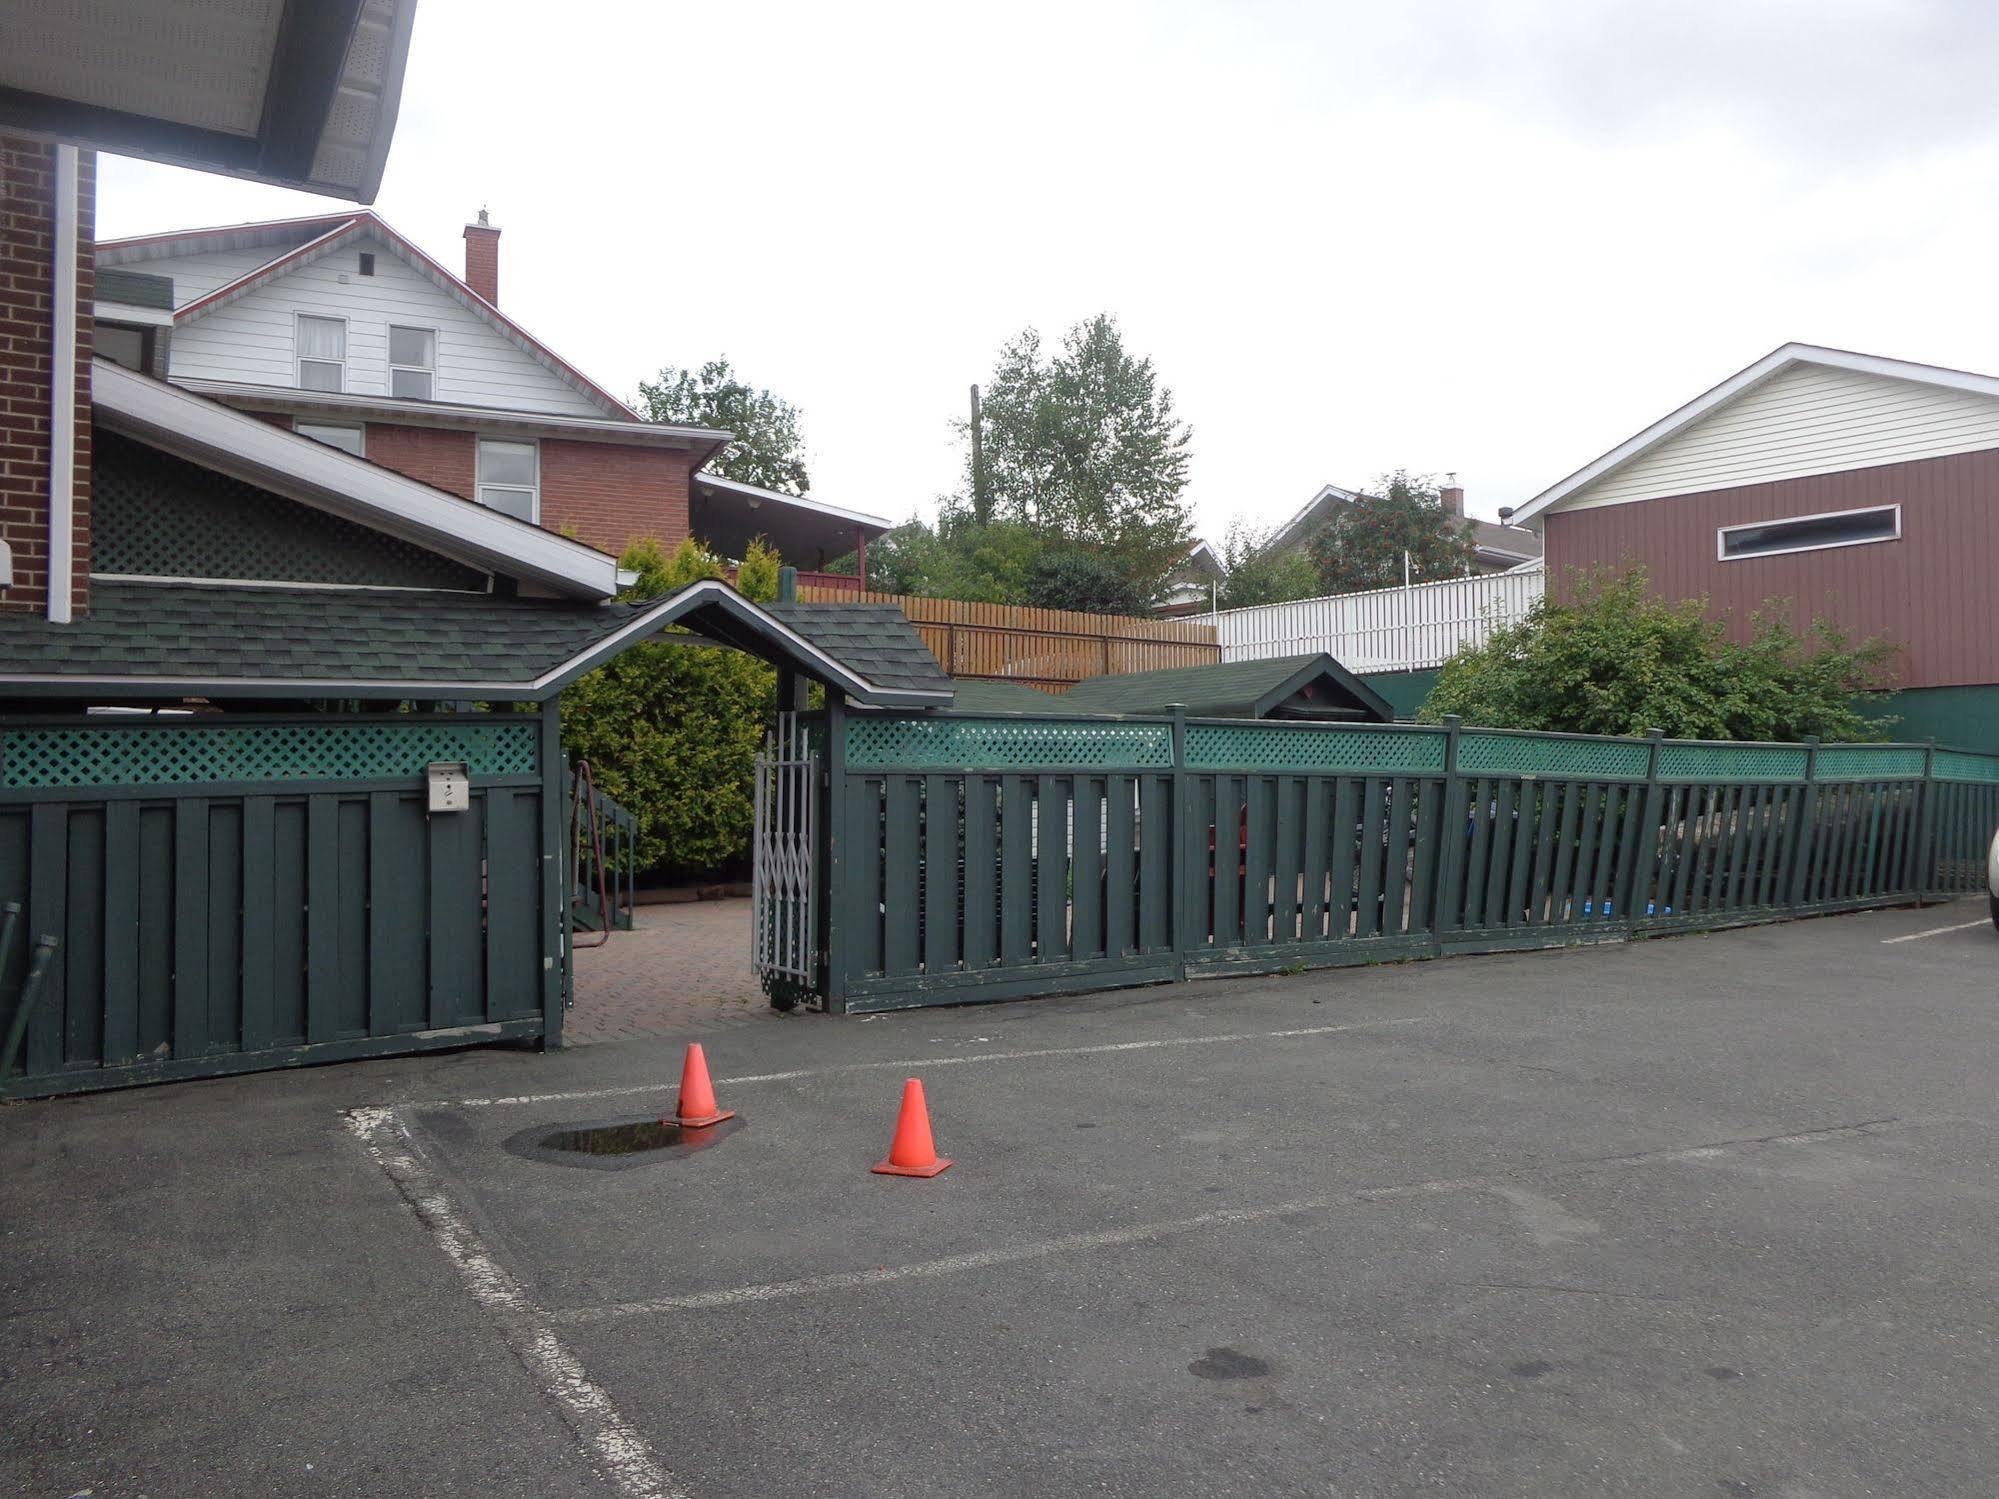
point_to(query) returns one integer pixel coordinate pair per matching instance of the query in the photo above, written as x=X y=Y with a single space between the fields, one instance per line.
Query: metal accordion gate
x=784 y=908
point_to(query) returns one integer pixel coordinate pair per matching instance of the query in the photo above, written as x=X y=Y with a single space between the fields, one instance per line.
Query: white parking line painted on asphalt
x=950 y=1265
x=1935 y=931
x=614 y=1447
x=667 y=1085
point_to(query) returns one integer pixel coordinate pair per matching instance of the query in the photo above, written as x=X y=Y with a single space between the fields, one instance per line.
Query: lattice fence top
x=1868 y=762
x=158 y=755
x=1961 y=765
x=1484 y=752
x=1006 y=744
x=1681 y=760
x=1280 y=747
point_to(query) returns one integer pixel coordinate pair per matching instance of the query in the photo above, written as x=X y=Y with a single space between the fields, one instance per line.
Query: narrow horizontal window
x=1810 y=533
x=334 y=434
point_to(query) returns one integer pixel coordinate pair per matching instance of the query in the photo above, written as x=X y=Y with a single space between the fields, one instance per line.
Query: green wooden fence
x=985 y=857
x=233 y=893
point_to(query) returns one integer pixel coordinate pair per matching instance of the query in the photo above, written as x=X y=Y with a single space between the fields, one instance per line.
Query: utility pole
x=980 y=503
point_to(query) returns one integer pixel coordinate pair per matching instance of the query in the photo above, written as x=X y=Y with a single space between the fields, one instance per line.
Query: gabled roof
x=299 y=242
x=1506 y=543
x=1776 y=362
x=1232 y=689
x=210 y=434
x=876 y=640
x=167 y=641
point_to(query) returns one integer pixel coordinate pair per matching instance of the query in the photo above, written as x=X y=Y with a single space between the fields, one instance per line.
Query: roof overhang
x=714 y=609
x=299 y=93
x=229 y=442
x=701 y=441
x=1768 y=367
x=728 y=514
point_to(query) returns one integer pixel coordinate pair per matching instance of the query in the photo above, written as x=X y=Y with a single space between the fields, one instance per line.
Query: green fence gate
x=233 y=893
x=983 y=857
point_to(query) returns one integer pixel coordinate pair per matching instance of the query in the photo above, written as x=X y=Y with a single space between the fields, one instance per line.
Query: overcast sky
x=1491 y=238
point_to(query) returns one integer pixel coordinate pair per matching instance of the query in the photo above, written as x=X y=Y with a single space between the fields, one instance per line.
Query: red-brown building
x=344 y=330
x=1861 y=489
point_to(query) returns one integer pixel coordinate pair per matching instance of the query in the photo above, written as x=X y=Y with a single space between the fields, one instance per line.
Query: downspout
x=62 y=391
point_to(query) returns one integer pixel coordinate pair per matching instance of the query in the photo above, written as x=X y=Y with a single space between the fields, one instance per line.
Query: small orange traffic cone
x=697 y=1109
x=913 y=1153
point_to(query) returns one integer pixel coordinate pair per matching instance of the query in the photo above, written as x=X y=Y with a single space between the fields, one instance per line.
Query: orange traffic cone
x=697 y=1109
x=913 y=1153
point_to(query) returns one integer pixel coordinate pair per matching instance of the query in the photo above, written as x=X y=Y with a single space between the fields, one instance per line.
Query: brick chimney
x=1453 y=494
x=482 y=259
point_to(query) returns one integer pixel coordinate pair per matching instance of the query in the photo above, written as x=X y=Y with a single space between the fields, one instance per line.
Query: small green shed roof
x=171 y=640
x=1235 y=689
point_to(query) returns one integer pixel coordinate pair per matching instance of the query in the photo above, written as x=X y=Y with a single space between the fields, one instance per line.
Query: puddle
x=613 y=1143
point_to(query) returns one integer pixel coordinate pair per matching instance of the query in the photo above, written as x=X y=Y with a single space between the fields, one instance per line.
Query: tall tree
x=1083 y=446
x=768 y=448
x=1364 y=543
x=1254 y=572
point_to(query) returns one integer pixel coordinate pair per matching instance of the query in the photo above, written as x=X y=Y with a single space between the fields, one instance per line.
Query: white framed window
x=322 y=353
x=1809 y=533
x=510 y=477
x=342 y=435
x=412 y=362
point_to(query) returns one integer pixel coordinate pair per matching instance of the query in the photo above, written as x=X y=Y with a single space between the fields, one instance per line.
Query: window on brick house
x=341 y=435
x=322 y=353
x=510 y=477
x=412 y=362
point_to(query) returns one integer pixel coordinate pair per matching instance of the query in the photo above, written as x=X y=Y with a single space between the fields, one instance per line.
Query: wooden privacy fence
x=988 y=857
x=1384 y=629
x=1049 y=648
x=234 y=893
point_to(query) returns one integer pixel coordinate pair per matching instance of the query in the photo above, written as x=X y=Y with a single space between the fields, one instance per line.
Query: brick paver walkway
x=681 y=968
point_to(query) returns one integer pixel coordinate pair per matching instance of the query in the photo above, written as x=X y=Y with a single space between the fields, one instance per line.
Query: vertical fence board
x=1367 y=890
x=1087 y=937
x=513 y=904
x=902 y=903
x=224 y=998
x=981 y=870
x=1120 y=865
x=259 y=921
x=1016 y=870
x=1157 y=881
x=1051 y=879
x=940 y=873
x=120 y=1022
x=190 y=970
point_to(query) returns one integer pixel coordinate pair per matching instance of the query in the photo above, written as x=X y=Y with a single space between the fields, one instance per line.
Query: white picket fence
x=1386 y=629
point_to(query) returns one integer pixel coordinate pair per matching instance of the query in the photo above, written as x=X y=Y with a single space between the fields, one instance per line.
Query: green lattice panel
x=1869 y=762
x=146 y=755
x=1688 y=761
x=1279 y=747
x=1961 y=765
x=1487 y=753
x=1006 y=744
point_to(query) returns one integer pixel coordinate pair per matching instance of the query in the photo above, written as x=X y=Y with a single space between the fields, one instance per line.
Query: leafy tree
x=1362 y=545
x=671 y=730
x=1254 y=573
x=1615 y=659
x=1083 y=446
x=768 y=449
x=1079 y=578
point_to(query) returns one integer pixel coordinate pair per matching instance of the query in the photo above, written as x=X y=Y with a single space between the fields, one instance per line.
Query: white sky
x=1496 y=238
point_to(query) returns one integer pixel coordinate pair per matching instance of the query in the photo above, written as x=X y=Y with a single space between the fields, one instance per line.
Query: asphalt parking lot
x=1710 y=1215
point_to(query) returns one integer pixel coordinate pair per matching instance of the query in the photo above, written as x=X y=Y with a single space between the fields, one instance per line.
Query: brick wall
x=444 y=460
x=606 y=495
x=27 y=243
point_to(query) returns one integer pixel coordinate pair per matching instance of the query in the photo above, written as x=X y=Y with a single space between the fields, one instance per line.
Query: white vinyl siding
x=250 y=338
x=510 y=477
x=195 y=276
x=1808 y=420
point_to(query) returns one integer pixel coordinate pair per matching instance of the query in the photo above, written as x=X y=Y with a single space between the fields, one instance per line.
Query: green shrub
x=1614 y=659
x=670 y=730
